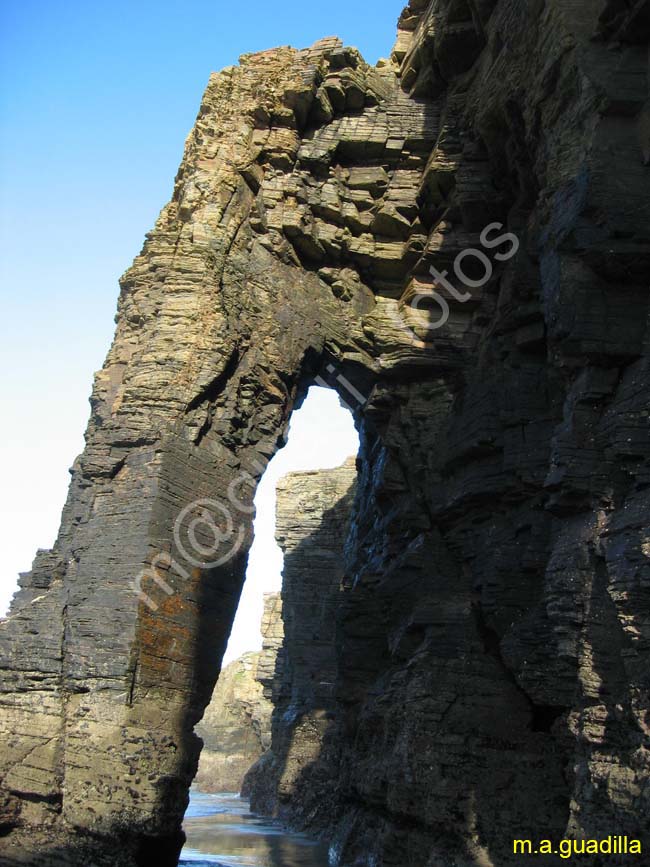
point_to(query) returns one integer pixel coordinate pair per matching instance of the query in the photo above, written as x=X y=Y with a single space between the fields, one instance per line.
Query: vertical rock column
x=313 y=512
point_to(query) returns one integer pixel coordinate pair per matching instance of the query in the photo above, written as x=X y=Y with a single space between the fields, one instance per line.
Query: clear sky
x=96 y=100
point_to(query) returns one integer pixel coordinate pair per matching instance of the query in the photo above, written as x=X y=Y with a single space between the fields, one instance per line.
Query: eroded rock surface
x=236 y=727
x=492 y=644
x=313 y=513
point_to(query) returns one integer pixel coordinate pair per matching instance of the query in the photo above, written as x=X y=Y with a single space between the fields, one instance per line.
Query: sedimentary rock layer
x=236 y=726
x=492 y=653
x=235 y=729
x=313 y=513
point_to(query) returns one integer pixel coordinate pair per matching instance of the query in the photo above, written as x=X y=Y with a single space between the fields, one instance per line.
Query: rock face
x=313 y=512
x=236 y=727
x=493 y=637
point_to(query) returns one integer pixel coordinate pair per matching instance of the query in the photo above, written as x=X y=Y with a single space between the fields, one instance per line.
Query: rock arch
x=314 y=196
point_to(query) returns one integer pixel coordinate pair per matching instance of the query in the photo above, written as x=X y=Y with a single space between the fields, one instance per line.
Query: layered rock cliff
x=492 y=640
x=313 y=513
x=236 y=727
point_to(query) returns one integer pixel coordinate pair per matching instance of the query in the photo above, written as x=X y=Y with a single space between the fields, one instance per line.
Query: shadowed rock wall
x=313 y=513
x=492 y=656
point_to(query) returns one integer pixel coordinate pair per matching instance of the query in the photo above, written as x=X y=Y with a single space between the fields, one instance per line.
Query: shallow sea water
x=222 y=831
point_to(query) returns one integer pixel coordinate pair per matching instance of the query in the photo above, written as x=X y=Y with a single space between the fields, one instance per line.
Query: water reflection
x=221 y=831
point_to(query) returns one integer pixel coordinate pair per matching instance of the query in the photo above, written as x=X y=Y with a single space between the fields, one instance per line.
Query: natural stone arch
x=220 y=330
x=313 y=196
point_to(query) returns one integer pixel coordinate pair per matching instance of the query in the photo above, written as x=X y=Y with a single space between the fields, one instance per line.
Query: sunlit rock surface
x=236 y=727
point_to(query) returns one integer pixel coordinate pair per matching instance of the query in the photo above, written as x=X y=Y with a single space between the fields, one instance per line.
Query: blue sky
x=96 y=100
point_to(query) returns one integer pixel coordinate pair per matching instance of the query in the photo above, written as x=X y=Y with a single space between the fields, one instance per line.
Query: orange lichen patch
x=168 y=636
